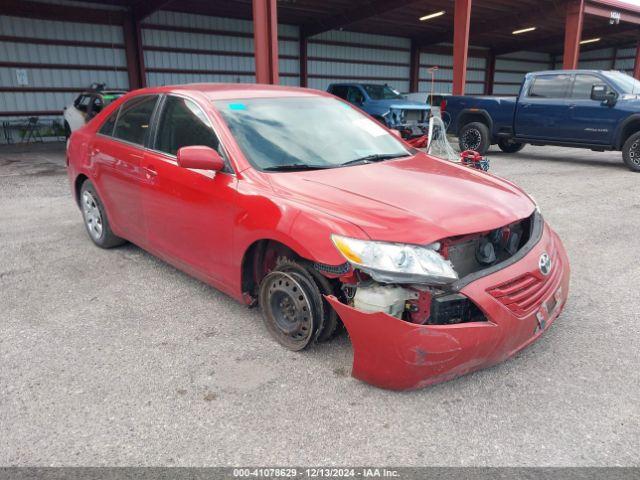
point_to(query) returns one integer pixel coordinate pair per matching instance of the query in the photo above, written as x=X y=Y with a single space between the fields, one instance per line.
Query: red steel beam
x=414 y=68
x=133 y=52
x=304 y=62
x=265 y=40
x=461 y=21
x=490 y=73
x=572 y=34
x=636 y=66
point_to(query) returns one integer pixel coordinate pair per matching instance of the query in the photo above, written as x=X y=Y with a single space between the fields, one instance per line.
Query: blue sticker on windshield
x=237 y=106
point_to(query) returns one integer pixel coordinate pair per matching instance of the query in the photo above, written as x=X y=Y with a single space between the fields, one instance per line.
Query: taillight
x=443 y=105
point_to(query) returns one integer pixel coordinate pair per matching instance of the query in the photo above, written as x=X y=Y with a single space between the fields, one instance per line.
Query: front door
x=189 y=213
x=590 y=121
x=542 y=112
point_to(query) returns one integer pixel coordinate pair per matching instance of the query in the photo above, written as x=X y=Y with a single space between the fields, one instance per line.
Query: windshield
x=626 y=84
x=382 y=92
x=312 y=132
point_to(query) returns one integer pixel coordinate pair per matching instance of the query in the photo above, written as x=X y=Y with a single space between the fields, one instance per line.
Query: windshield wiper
x=296 y=166
x=376 y=157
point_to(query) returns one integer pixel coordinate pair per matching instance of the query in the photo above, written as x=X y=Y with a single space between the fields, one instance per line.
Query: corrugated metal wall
x=443 y=77
x=622 y=59
x=183 y=48
x=59 y=58
x=337 y=56
x=511 y=69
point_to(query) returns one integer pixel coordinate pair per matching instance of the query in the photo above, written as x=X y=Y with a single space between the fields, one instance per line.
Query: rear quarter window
x=134 y=119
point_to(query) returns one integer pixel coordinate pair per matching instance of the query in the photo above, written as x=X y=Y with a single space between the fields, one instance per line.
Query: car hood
x=417 y=199
x=399 y=104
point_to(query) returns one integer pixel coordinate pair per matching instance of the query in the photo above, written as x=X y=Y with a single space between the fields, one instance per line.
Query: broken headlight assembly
x=396 y=262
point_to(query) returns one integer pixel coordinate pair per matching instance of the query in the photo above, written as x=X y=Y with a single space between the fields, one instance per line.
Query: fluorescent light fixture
x=432 y=15
x=590 y=40
x=523 y=30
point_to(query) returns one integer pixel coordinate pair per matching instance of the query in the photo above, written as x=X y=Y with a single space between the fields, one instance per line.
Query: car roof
x=581 y=70
x=223 y=91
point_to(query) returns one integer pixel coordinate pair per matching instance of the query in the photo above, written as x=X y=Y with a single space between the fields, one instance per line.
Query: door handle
x=572 y=106
x=150 y=172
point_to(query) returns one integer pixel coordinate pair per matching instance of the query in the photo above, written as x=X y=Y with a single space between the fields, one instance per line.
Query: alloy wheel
x=92 y=215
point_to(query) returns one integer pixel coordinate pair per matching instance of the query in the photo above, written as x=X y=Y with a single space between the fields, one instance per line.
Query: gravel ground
x=115 y=358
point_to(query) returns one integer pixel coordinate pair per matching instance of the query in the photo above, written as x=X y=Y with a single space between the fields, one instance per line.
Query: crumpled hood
x=416 y=200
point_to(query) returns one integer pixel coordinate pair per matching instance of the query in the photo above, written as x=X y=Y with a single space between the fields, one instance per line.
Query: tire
x=475 y=136
x=291 y=305
x=508 y=145
x=95 y=218
x=631 y=152
x=67 y=130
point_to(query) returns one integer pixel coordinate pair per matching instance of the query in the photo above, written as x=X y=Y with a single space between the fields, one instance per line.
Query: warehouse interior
x=52 y=49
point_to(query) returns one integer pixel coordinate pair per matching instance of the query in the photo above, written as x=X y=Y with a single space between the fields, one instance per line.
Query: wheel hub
x=288 y=305
x=92 y=215
x=472 y=139
x=634 y=154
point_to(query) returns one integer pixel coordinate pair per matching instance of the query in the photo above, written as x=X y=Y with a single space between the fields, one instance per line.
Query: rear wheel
x=95 y=218
x=631 y=152
x=508 y=145
x=475 y=136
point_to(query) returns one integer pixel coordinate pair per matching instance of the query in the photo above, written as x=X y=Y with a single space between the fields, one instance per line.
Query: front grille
x=524 y=294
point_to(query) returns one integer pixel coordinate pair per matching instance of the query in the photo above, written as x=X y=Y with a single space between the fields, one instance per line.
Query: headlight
x=396 y=262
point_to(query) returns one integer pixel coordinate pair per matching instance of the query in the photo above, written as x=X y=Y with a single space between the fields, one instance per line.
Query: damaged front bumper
x=395 y=354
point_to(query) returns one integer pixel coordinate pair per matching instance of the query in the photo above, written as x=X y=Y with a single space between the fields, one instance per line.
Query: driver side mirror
x=200 y=157
x=601 y=93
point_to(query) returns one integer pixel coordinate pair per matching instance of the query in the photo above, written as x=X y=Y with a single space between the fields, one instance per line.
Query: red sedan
x=297 y=202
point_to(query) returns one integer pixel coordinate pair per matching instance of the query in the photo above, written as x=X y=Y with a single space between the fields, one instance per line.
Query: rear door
x=116 y=155
x=590 y=121
x=542 y=111
x=189 y=213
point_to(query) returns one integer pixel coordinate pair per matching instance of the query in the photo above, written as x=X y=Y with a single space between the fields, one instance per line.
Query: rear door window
x=355 y=95
x=550 y=86
x=134 y=119
x=340 y=91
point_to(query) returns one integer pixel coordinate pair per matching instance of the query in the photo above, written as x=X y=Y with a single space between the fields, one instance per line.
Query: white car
x=86 y=106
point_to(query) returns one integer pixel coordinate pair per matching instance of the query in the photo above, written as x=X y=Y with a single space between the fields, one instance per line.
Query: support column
x=573 y=34
x=304 y=72
x=133 y=52
x=636 y=67
x=490 y=73
x=414 y=68
x=462 y=18
x=265 y=41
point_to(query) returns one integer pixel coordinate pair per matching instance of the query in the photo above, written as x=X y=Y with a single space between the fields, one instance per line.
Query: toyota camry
x=297 y=202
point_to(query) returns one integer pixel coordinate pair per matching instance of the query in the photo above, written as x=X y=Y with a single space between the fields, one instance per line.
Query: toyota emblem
x=544 y=264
